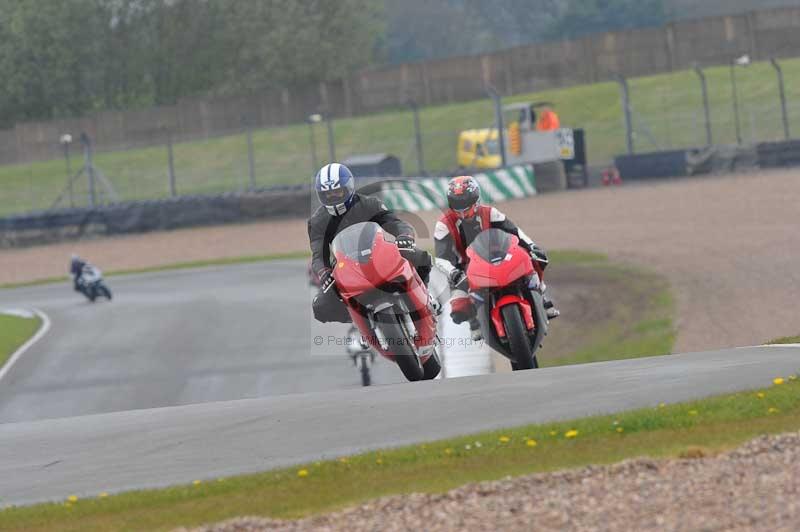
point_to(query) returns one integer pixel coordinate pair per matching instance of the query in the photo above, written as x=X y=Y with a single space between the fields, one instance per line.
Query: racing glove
x=538 y=255
x=405 y=243
x=326 y=281
x=457 y=278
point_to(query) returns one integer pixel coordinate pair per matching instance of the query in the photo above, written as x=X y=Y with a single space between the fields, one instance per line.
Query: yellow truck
x=479 y=149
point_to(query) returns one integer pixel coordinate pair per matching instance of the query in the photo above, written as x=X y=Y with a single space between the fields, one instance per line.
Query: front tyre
x=104 y=291
x=402 y=348
x=519 y=341
x=366 y=378
x=432 y=367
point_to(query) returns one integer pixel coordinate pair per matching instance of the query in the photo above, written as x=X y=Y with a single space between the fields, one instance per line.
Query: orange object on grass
x=548 y=120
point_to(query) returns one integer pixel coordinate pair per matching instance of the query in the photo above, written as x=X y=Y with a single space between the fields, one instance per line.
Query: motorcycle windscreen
x=356 y=241
x=492 y=245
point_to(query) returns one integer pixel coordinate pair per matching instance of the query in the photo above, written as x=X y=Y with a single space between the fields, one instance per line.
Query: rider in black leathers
x=342 y=207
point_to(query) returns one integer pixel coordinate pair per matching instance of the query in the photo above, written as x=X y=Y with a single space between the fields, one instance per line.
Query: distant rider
x=76 y=266
x=341 y=208
x=457 y=228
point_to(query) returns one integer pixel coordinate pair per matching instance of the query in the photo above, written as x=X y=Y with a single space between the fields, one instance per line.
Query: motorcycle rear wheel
x=402 y=347
x=518 y=340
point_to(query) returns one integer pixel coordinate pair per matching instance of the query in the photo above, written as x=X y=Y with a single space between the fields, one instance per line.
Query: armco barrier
x=156 y=215
x=778 y=154
x=673 y=163
x=430 y=193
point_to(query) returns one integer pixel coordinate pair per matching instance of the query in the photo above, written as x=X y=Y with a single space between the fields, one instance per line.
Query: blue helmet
x=336 y=188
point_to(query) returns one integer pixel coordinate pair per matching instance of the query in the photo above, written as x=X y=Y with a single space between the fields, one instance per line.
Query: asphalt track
x=47 y=460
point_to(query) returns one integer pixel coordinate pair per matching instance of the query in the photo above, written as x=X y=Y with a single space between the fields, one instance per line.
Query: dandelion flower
x=620 y=430
x=531 y=442
x=504 y=439
x=777 y=381
x=72 y=498
x=478 y=444
x=468 y=447
x=379 y=461
x=302 y=473
x=662 y=405
x=196 y=482
x=572 y=433
x=773 y=410
x=448 y=451
x=760 y=395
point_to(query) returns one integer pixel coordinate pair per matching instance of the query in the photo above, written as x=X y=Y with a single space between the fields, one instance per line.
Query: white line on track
x=27 y=345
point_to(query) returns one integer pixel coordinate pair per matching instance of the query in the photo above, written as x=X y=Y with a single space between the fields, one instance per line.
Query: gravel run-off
x=755 y=487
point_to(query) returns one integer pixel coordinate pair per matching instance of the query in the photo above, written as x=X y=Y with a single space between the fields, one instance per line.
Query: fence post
x=706 y=110
x=417 y=136
x=171 y=166
x=331 y=145
x=87 y=163
x=782 y=93
x=251 y=164
x=735 y=96
x=626 y=108
x=498 y=116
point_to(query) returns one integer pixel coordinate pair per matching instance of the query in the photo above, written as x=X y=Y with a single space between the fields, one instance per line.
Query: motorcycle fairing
x=495 y=260
x=511 y=299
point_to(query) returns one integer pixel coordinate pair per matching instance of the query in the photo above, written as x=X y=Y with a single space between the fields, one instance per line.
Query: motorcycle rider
x=76 y=265
x=454 y=232
x=343 y=207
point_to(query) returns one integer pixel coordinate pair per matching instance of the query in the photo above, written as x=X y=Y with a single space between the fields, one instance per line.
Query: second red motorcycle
x=505 y=286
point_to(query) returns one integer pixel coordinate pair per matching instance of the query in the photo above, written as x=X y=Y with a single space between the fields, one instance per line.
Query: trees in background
x=66 y=58
x=63 y=58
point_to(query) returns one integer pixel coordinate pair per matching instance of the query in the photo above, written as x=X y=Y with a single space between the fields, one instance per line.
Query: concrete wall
x=710 y=41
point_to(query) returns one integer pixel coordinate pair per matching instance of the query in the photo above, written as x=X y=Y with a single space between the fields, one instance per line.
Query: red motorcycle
x=386 y=299
x=503 y=282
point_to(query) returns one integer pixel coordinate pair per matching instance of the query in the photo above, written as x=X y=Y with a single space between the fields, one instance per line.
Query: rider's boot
x=475 y=330
x=550 y=310
x=436 y=307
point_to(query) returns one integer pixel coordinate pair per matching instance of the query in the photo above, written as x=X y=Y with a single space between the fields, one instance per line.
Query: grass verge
x=623 y=311
x=15 y=331
x=687 y=430
x=786 y=340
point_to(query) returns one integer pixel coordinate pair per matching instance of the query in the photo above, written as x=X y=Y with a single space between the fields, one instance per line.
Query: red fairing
x=385 y=265
x=511 y=299
x=484 y=274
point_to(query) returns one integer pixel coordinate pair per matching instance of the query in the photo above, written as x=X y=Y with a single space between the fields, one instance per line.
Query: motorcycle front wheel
x=402 y=347
x=518 y=340
x=104 y=291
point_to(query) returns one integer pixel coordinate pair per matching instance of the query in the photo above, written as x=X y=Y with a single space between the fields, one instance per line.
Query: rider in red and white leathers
x=457 y=228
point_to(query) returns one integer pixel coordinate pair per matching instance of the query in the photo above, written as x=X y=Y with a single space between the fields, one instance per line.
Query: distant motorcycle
x=504 y=284
x=362 y=355
x=91 y=284
x=386 y=298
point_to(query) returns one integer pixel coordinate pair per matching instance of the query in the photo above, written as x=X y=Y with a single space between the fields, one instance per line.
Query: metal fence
x=664 y=112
